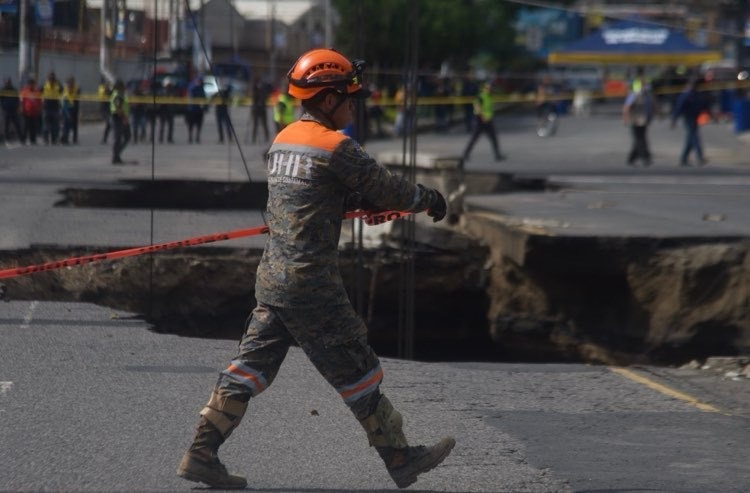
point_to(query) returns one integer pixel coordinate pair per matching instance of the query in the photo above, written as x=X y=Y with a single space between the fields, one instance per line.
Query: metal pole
x=81 y=12
x=740 y=40
x=203 y=29
x=272 y=46
x=104 y=44
x=232 y=30
x=172 y=19
x=407 y=271
x=23 y=40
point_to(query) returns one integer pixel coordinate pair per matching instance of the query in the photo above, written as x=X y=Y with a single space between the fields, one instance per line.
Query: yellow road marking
x=666 y=390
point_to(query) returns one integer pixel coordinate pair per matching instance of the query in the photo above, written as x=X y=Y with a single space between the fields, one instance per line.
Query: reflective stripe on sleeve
x=364 y=386
x=252 y=379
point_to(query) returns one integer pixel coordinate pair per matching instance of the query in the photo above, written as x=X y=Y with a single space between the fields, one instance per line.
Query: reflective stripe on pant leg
x=261 y=352
x=361 y=388
x=335 y=340
x=250 y=378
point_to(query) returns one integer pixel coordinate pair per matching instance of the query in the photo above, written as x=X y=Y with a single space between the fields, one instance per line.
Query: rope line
x=369 y=217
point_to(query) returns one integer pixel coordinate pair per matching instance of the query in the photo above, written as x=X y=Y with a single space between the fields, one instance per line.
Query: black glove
x=439 y=208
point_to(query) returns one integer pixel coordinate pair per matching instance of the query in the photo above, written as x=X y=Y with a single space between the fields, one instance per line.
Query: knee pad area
x=224 y=413
x=385 y=426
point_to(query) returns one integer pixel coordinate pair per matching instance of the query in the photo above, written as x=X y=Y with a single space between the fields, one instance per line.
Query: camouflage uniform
x=312 y=170
x=300 y=293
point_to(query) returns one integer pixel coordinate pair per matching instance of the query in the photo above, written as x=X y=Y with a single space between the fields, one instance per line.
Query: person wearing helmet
x=313 y=171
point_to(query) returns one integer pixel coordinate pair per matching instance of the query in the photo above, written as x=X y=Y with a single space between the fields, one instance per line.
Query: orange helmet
x=322 y=68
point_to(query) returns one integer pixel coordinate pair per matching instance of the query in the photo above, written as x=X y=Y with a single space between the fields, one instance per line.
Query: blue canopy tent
x=633 y=43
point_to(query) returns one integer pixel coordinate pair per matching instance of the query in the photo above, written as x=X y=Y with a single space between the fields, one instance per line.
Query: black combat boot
x=405 y=464
x=201 y=462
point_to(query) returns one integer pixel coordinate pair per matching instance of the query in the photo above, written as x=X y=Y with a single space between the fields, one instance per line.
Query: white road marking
x=5 y=387
x=29 y=315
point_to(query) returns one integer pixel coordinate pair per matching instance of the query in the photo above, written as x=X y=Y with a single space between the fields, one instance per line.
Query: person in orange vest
x=314 y=171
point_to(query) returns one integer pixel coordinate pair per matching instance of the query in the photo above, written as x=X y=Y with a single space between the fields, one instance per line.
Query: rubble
x=736 y=368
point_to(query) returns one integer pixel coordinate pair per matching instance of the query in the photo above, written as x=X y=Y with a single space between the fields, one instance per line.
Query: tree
x=450 y=31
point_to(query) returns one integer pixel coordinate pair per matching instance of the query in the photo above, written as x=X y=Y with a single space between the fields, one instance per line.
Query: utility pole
x=740 y=41
x=172 y=19
x=23 y=40
x=104 y=26
x=272 y=42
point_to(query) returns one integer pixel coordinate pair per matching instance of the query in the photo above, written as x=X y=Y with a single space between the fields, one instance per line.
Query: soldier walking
x=312 y=170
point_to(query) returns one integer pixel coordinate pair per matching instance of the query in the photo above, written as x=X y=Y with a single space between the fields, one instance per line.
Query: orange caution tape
x=370 y=218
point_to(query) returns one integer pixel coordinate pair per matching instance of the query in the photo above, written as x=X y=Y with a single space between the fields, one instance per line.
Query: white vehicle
x=212 y=85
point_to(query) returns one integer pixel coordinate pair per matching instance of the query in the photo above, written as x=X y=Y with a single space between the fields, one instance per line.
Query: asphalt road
x=91 y=400
x=598 y=194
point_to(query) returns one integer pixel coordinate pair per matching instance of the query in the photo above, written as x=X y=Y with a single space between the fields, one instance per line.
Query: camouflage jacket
x=311 y=171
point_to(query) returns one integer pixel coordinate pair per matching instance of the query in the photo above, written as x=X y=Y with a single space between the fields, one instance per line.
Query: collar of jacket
x=310 y=117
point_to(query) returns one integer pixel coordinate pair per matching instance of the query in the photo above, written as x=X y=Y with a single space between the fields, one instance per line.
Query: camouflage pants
x=334 y=339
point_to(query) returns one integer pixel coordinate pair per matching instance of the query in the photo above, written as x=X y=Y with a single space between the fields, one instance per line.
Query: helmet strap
x=335 y=108
x=328 y=115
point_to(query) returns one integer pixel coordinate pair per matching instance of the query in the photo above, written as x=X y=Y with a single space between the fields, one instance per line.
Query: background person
x=166 y=110
x=31 y=110
x=484 y=115
x=638 y=111
x=104 y=91
x=138 y=109
x=468 y=89
x=543 y=98
x=375 y=112
x=195 y=109
x=259 y=108
x=223 y=121
x=10 y=103
x=689 y=106
x=70 y=105
x=51 y=96
x=120 y=110
x=283 y=110
x=312 y=170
